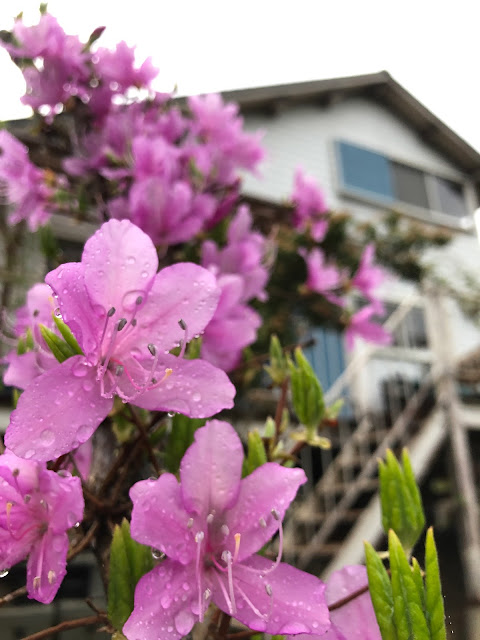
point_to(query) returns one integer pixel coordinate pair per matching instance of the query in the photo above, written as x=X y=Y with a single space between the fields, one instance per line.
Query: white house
x=373 y=147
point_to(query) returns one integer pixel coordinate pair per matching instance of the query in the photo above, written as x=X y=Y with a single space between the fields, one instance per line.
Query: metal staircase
x=336 y=513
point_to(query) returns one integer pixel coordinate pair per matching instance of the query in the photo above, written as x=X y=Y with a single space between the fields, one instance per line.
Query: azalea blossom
x=24 y=184
x=368 y=276
x=356 y=619
x=322 y=277
x=126 y=319
x=37 y=507
x=362 y=326
x=310 y=206
x=24 y=367
x=211 y=526
x=233 y=326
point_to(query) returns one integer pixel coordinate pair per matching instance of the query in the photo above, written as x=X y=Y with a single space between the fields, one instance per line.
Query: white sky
x=431 y=48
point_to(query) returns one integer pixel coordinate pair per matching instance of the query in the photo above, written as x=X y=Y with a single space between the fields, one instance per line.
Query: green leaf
x=433 y=591
x=408 y=615
x=179 y=439
x=256 y=453
x=129 y=561
x=67 y=335
x=380 y=592
x=60 y=349
x=307 y=393
x=400 y=499
x=277 y=369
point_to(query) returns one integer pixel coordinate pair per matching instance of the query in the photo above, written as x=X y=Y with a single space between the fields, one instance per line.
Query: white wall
x=305 y=136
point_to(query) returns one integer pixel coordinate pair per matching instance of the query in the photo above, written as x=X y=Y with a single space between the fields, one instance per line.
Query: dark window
x=373 y=174
x=366 y=171
x=450 y=195
x=409 y=185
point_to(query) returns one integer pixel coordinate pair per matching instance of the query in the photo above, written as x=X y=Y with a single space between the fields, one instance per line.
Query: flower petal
x=181 y=292
x=271 y=486
x=64 y=496
x=195 y=388
x=211 y=469
x=86 y=322
x=57 y=412
x=356 y=620
x=163 y=604
x=120 y=263
x=47 y=566
x=297 y=603
x=22 y=369
x=160 y=501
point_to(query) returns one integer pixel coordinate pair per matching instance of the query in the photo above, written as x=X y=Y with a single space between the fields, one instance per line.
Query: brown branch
x=347 y=599
x=21 y=591
x=241 y=634
x=224 y=625
x=281 y=406
x=143 y=432
x=65 y=626
x=84 y=542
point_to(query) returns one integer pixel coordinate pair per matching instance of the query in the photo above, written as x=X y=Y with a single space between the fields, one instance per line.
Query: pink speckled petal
x=57 y=412
x=211 y=469
x=271 y=486
x=47 y=566
x=164 y=598
x=297 y=603
x=160 y=501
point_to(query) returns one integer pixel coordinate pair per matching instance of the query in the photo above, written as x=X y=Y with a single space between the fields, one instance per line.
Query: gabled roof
x=377 y=86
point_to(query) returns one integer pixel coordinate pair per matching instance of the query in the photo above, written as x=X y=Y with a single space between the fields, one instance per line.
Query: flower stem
x=65 y=626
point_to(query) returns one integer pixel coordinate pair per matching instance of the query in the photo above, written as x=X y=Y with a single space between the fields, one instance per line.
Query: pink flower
x=232 y=328
x=243 y=255
x=37 y=507
x=355 y=620
x=24 y=367
x=26 y=190
x=63 y=70
x=368 y=276
x=323 y=278
x=310 y=206
x=125 y=318
x=361 y=326
x=211 y=527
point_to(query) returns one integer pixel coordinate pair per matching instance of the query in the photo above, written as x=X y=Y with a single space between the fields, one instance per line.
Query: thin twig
x=347 y=599
x=141 y=427
x=21 y=591
x=84 y=542
x=65 y=626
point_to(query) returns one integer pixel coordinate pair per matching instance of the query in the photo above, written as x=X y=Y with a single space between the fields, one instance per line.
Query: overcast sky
x=431 y=48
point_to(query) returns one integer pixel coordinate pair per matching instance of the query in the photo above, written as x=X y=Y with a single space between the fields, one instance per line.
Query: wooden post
x=444 y=372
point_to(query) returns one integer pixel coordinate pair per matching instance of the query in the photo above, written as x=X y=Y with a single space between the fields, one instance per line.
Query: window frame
x=430 y=215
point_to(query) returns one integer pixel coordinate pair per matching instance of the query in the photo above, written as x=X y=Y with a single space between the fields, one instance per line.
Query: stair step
x=326 y=549
x=316 y=518
x=341 y=487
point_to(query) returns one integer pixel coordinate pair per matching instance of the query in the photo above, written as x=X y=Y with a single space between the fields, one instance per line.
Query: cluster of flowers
x=172 y=169
x=169 y=173
x=330 y=281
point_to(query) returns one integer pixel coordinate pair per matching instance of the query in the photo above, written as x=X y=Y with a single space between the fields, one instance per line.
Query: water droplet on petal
x=196 y=397
x=80 y=369
x=3 y=573
x=83 y=432
x=88 y=385
x=131 y=260
x=184 y=622
x=29 y=454
x=157 y=554
x=48 y=437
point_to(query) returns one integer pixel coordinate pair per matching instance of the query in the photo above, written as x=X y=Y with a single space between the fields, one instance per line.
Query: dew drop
x=29 y=454
x=196 y=397
x=57 y=312
x=88 y=385
x=131 y=260
x=83 y=432
x=157 y=554
x=80 y=369
x=184 y=622
x=3 y=573
x=48 y=437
